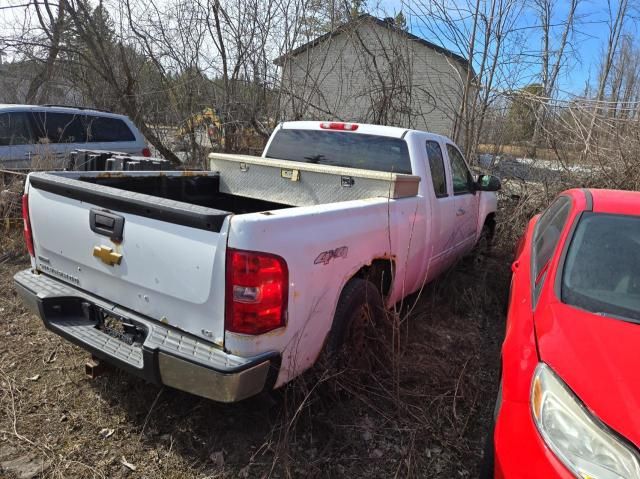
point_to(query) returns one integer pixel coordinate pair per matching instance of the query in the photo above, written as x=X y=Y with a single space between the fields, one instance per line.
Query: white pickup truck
x=229 y=282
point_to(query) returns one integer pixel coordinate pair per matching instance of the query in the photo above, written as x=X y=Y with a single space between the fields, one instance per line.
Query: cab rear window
x=601 y=273
x=338 y=148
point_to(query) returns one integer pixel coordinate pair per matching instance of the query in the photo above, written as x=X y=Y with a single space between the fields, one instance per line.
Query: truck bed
x=196 y=188
x=186 y=198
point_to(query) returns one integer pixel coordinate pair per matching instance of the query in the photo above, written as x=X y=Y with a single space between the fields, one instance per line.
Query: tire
x=359 y=314
x=487 y=467
x=488 y=460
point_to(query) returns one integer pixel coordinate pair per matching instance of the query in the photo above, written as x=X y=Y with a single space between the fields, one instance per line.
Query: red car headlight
x=579 y=440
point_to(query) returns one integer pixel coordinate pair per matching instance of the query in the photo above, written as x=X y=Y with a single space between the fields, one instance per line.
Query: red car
x=569 y=398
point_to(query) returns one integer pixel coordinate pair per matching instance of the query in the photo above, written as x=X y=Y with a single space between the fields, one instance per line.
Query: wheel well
x=380 y=273
x=490 y=222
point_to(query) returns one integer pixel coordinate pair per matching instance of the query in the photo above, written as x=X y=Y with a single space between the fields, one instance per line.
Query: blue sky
x=591 y=33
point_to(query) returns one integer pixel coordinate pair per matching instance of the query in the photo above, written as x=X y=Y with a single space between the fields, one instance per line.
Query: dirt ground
x=424 y=415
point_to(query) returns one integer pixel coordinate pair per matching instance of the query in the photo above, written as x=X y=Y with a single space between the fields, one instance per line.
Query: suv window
x=107 y=129
x=545 y=240
x=53 y=127
x=460 y=174
x=339 y=148
x=15 y=129
x=436 y=165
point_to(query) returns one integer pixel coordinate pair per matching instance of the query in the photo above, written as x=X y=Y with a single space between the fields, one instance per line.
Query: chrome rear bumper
x=165 y=356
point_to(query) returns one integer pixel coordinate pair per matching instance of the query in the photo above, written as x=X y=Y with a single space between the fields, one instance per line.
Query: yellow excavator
x=244 y=138
x=207 y=118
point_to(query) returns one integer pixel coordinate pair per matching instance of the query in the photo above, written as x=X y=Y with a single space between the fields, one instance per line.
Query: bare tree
x=617 y=15
x=553 y=56
x=488 y=35
x=52 y=22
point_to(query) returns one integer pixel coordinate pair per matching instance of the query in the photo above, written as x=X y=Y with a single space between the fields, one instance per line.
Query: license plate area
x=116 y=326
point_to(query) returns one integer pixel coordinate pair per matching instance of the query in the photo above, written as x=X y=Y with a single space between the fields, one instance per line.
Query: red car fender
x=519 y=353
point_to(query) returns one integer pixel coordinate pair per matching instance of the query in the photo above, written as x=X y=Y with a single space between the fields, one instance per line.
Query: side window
x=15 y=129
x=106 y=129
x=436 y=164
x=460 y=174
x=6 y=132
x=545 y=240
x=52 y=127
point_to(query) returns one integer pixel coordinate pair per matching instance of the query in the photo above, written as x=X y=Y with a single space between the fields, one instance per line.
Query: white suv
x=42 y=136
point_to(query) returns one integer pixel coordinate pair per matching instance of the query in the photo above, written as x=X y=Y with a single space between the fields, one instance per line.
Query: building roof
x=385 y=24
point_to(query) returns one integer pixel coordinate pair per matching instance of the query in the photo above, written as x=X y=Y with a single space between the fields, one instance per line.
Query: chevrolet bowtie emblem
x=107 y=255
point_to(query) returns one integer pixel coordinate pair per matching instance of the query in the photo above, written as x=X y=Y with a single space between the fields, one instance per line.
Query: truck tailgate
x=166 y=262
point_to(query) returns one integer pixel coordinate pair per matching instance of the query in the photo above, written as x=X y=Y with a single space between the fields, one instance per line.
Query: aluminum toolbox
x=304 y=184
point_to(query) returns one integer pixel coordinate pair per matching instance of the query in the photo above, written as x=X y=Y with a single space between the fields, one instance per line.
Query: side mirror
x=488 y=183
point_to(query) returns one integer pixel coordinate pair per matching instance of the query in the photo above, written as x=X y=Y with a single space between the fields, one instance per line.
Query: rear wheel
x=358 y=316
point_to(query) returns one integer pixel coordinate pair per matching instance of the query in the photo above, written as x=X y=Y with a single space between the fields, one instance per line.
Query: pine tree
x=400 y=21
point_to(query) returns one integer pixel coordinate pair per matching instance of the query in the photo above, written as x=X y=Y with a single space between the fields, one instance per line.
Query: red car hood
x=599 y=359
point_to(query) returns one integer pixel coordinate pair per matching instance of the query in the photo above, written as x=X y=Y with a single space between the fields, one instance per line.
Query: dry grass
x=11 y=187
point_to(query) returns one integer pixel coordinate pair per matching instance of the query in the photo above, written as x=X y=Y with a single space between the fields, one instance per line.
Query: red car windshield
x=601 y=273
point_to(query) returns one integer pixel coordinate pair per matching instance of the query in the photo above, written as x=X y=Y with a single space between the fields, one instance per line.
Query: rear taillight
x=146 y=152
x=335 y=125
x=257 y=289
x=28 y=234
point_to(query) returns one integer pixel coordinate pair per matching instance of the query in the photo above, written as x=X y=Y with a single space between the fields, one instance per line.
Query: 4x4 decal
x=326 y=256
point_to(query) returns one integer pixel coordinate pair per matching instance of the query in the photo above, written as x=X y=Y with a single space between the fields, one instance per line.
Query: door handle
x=460 y=212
